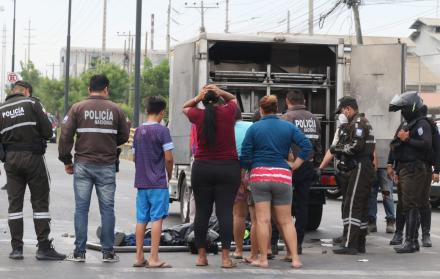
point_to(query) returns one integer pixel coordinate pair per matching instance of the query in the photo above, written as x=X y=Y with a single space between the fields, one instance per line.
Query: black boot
x=300 y=239
x=362 y=241
x=425 y=221
x=16 y=254
x=46 y=252
x=410 y=232
x=398 y=234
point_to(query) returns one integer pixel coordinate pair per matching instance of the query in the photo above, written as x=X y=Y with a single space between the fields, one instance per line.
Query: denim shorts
x=152 y=205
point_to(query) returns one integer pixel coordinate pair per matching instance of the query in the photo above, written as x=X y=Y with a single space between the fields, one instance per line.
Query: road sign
x=13 y=77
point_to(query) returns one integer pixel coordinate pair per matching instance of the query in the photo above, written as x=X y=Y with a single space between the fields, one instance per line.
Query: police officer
x=410 y=154
x=432 y=176
x=356 y=153
x=303 y=177
x=24 y=130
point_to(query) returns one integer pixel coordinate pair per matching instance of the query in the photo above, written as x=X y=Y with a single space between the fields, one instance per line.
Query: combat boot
x=16 y=254
x=425 y=221
x=409 y=245
x=390 y=226
x=398 y=234
x=46 y=252
x=372 y=227
x=361 y=242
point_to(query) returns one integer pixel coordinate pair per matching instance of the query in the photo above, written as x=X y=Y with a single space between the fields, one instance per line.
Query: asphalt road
x=319 y=262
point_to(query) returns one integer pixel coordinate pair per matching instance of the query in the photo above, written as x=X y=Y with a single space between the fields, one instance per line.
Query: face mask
x=342 y=118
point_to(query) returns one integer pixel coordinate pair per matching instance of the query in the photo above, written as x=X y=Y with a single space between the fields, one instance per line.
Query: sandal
x=141 y=264
x=232 y=265
x=161 y=265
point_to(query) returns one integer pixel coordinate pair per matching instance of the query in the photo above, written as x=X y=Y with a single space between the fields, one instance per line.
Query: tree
x=155 y=79
x=30 y=74
x=119 y=80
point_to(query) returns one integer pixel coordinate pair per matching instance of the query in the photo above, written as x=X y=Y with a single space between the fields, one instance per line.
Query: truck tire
x=315 y=215
x=333 y=193
x=185 y=200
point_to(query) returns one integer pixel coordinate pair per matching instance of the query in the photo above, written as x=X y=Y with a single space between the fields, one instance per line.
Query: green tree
x=30 y=74
x=119 y=80
x=155 y=79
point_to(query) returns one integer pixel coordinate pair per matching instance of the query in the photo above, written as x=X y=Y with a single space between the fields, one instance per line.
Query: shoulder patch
x=359 y=132
x=420 y=131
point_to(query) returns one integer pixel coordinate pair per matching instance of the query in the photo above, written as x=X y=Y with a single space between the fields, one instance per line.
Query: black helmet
x=409 y=101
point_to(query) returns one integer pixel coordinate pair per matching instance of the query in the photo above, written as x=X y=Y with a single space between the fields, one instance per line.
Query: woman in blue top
x=265 y=152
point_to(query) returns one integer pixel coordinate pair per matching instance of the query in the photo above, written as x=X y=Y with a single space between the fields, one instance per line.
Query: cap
x=346 y=101
x=24 y=84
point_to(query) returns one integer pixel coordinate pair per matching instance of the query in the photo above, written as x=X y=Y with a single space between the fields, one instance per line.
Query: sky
x=48 y=21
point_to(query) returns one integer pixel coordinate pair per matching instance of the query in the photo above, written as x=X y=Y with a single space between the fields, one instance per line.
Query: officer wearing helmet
x=409 y=164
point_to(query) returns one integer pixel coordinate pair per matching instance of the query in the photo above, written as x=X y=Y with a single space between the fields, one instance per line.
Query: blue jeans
x=385 y=185
x=103 y=177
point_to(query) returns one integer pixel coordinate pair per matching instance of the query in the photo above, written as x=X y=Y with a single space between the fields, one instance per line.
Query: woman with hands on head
x=215 y=175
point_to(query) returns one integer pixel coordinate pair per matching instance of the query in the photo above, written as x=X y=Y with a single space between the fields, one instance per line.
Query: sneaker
x=46 y=252
x=390 y=226
x=110 y=257
x=16 y=254
x=77 y=257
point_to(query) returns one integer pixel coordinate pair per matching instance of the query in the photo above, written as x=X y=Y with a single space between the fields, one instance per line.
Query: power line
x=29 y=37
x=202 y=9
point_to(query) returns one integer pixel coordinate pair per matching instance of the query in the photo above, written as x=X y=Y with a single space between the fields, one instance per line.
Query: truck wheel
x=333 y=193
x=315 y=215
x=185 y=200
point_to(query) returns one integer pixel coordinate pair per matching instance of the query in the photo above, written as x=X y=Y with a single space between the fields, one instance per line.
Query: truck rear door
x=377 y=74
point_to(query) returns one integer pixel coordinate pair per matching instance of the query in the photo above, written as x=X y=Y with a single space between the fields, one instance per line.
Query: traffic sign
x=13 y=77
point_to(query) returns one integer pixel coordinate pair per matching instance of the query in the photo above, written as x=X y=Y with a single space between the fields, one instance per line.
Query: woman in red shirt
x=215 y=175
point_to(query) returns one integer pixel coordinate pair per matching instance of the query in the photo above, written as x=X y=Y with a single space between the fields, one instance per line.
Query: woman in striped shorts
x=264 y=152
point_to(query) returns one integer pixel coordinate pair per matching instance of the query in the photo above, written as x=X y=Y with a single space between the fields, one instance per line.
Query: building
x=83 y=59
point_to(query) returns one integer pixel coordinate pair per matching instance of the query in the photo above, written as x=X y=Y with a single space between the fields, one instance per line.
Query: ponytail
x=209 y=127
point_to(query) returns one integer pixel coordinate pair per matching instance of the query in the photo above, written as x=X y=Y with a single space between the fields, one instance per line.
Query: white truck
x=250 y=67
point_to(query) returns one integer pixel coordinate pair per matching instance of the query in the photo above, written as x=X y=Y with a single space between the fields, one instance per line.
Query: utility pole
x=436 y=8
x=137 y=62
x=127 y=50
x=288 y=21
x=168 y=28
x=227 y=17
x=28 y=29
x=3 y=81
x=202 y=9
x=53 y=65
x=355 y=5
x=67 y=61
x=104 y=29
x=311 y=8
x=146 y=46
x=152 y=32
x=13 y=40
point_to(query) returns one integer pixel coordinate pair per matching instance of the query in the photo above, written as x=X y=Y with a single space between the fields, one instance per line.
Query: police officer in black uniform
x=356 y=153
x=303 y=177
x=410 y=156
x=24 y=130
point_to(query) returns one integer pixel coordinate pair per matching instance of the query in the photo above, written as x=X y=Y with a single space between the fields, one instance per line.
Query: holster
x=118 y=152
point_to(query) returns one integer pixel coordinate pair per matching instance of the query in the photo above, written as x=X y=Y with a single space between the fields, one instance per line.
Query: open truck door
x=377 y=74
x=183 y=82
